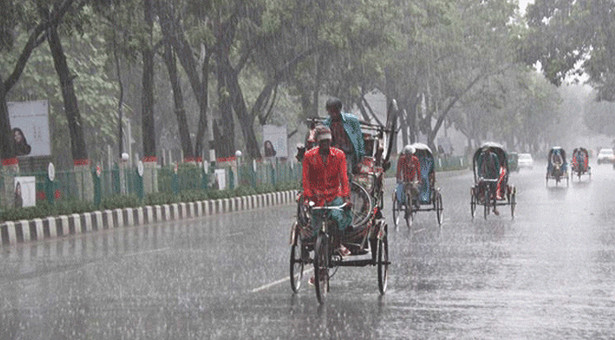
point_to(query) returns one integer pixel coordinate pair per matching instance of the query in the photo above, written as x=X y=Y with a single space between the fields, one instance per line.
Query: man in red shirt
x=408 y=173
x=325 y=180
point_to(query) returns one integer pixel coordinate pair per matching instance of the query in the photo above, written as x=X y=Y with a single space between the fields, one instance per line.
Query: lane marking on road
x=269 y=285
x=235 y=234
x=148 y=251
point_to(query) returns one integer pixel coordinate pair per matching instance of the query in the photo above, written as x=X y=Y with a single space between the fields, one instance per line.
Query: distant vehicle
x=580 y=163
x=525 y=161
x=606 y=156
x=557 y=168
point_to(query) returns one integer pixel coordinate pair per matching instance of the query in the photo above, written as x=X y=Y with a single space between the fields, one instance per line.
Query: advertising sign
x=25 y=191
x=30 y=125
x=275 y=141
x=221 y=178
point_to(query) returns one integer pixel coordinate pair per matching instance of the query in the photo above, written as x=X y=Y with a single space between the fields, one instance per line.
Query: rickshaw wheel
x=296 y=262
x=321 y=267
x=361 y=204
x=396 y=211
x=439 y=207
x=513 y=203
x=383 y=261
x=486 y=206
x=472 y=203
x=408 y=214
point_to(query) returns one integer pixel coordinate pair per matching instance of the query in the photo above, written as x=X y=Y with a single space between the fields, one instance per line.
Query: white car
x=606 y=156
x=525 y=161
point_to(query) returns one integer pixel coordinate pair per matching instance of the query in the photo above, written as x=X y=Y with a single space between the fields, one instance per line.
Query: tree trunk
x=317 y=83
x=147 y=97
x=178 y=100
x=6 y=140
x=245 y=120
x=403 y=124
x=225 y=147
x=73 y=116
x=120 y=100
x=202 y=134
x=175 y=34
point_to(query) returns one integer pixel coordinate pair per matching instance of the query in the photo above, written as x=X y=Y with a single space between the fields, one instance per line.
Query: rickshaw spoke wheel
x=383 y=262
x=296 y=263
x=513 y=203
x=472 y=202
x=439 y=208
x=321 y=267
x=361 y=204
x=396 y=211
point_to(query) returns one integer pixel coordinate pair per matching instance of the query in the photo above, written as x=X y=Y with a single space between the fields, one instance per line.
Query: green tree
x=16 y=17
x=570 y=38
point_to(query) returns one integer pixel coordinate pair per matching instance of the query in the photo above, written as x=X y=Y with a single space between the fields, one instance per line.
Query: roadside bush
x=120 y=201
x=193 y=195
x=73 y=206
x=159 y=198
x=244 y=191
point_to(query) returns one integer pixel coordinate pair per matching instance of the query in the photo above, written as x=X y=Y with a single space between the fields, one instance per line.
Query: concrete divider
x=13 y=232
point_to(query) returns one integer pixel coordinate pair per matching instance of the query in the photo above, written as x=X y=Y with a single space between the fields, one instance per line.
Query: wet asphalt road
x=549 y=274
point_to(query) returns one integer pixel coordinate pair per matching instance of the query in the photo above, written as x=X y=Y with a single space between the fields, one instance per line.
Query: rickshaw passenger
x=325 y=182
x=408 y=171
x=489 y=168
x=346 y=133
x=501 y=184
x=488 y=164
x=428 y=178
x=556 y=159
x=580 y=160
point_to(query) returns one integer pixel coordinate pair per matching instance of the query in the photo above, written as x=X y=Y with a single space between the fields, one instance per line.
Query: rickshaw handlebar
x=331 y=207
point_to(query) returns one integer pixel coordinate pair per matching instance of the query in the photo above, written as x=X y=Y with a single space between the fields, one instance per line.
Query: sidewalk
x=14 y=232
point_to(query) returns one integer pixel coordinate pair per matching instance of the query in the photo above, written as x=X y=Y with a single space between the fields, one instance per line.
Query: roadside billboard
x=275 y=141
x=25 y=191
x=30 y=127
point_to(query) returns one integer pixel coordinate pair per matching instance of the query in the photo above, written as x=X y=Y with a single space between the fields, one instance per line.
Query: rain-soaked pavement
x=549 y=274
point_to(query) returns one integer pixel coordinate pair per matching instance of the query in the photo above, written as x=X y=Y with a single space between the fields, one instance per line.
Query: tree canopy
x=218 y=70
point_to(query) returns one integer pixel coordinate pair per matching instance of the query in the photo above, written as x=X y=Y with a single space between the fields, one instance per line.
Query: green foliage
x=244 y=190
x=44 y=209
x=193 y=195
x=577 y=32
x=285 y=186
x=120 y=201
x=160 y=198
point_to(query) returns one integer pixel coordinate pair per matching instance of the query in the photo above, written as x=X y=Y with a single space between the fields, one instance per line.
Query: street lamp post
x=238 y=163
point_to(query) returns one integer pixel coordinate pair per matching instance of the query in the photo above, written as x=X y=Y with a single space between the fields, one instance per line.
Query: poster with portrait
x=30 y=127
x=25 y=191
x=275 y=141
x=220 y=178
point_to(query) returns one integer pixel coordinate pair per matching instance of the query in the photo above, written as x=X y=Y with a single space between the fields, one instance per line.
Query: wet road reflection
x=546 y=274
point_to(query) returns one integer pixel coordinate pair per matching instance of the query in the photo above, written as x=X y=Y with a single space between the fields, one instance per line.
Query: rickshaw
x=367 y=240
x=495 y=190
x=429 y=196
x=557 y=167
x=580 y=164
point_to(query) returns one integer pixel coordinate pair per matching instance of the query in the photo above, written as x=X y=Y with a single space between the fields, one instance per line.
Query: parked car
x=606 y=156
x=525 y=161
